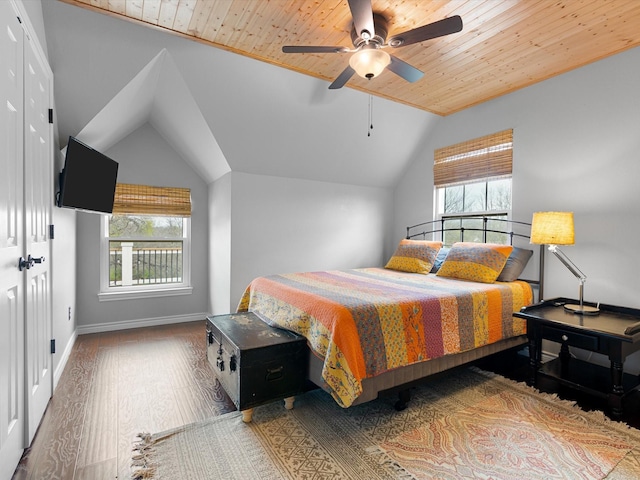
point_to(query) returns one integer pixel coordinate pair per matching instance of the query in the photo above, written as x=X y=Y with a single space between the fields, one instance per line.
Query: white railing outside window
x=130 y=265
x=144 y=257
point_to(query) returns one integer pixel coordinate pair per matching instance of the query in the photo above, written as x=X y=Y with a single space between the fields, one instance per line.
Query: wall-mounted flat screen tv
x=88 y=179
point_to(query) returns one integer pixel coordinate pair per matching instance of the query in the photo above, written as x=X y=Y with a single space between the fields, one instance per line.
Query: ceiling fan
x=369 y=34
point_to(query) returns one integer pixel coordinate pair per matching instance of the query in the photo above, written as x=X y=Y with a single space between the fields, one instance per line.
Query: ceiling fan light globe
x=369 y=63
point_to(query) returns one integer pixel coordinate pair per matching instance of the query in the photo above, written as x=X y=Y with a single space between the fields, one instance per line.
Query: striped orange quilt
x=367 y=321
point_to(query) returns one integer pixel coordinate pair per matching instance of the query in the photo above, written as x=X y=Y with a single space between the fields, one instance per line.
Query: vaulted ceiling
x=218 y=110
x=505 y=45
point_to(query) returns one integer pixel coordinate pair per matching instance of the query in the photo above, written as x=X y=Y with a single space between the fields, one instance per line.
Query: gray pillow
x=442 y=254
x=515 y=265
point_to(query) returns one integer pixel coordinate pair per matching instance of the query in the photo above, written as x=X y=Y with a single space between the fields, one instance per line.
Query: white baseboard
x=139 y=323
x=64 y=357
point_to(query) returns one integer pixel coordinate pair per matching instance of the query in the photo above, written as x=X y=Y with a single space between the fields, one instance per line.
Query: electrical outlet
x=69 y=313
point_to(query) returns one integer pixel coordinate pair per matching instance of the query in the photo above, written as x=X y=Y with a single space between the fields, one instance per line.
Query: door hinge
x=51 y=115
x=51 y=232
x=53 y=345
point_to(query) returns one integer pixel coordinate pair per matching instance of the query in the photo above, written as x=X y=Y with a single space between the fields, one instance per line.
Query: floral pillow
x=414 y=256
x=478 y=262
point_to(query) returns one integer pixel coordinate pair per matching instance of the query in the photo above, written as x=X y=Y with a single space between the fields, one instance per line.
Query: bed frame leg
x=403 y=399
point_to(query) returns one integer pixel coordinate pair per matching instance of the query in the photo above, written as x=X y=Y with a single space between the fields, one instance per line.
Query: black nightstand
x=615 y=332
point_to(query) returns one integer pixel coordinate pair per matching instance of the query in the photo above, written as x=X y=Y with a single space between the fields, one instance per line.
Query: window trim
x=135 y=292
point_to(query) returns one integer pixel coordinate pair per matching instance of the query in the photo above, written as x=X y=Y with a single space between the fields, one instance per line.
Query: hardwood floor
x=116 y=385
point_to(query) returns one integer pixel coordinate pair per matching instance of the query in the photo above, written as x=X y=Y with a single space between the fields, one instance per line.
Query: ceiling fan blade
x=440 y=28
x=404 y=70
x=343 y=78
x=362 y=14
x=313 y=49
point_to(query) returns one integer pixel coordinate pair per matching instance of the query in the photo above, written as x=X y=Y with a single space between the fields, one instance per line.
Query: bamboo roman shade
x=485 y=157
x=147 y=200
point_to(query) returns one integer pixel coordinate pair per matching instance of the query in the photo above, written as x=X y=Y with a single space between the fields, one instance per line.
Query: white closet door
x=38 y=201
x=12 y=438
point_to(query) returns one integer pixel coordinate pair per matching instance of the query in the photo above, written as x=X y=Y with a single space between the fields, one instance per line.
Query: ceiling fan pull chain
x=370 y=115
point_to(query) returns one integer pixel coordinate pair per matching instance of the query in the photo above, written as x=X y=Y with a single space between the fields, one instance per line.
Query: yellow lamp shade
x=552 y=228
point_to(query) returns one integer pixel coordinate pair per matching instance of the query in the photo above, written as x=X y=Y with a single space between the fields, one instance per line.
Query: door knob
x=22 y=263
x=35 y=260
x=28 y=263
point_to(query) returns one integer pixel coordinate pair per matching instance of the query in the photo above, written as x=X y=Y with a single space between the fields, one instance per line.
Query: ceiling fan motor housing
x=381 y=26
x=370 y=58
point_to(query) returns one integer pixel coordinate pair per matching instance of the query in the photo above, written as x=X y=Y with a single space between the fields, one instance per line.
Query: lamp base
x=584 y=310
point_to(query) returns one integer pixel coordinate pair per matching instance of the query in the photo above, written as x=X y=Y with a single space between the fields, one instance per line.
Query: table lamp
x=553 y=229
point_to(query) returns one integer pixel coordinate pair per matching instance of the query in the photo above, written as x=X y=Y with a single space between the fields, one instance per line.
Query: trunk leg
x=247 y=415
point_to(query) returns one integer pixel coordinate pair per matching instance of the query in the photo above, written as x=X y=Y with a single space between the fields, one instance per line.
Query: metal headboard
x=435 y=230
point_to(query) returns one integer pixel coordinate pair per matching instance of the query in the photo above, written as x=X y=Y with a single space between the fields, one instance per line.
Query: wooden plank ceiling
x=505 y=45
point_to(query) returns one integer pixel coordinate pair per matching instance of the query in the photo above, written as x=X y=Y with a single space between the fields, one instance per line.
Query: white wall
x=283 y=225
x=220 y=246
x=63 y=278
x=576 y=144
x=144 y=157
x=576 y=149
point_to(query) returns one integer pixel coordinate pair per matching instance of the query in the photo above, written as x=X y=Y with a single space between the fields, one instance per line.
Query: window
x=145 y=243
x=473 y=178
x=477 y=197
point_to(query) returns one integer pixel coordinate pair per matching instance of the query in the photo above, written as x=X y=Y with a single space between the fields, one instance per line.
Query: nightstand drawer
x=573 y=339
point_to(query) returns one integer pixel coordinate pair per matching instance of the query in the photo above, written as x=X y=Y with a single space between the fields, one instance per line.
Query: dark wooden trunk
x=254 y=362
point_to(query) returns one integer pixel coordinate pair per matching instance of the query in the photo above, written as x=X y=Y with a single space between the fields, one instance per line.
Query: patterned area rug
x=463 y=424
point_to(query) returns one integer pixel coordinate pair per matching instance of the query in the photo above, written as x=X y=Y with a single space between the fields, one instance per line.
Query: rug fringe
x=575 y=411
x=399 y=472
x=142 y=464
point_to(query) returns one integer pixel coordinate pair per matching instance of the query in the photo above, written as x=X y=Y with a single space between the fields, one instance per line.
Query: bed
x=435 y=305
